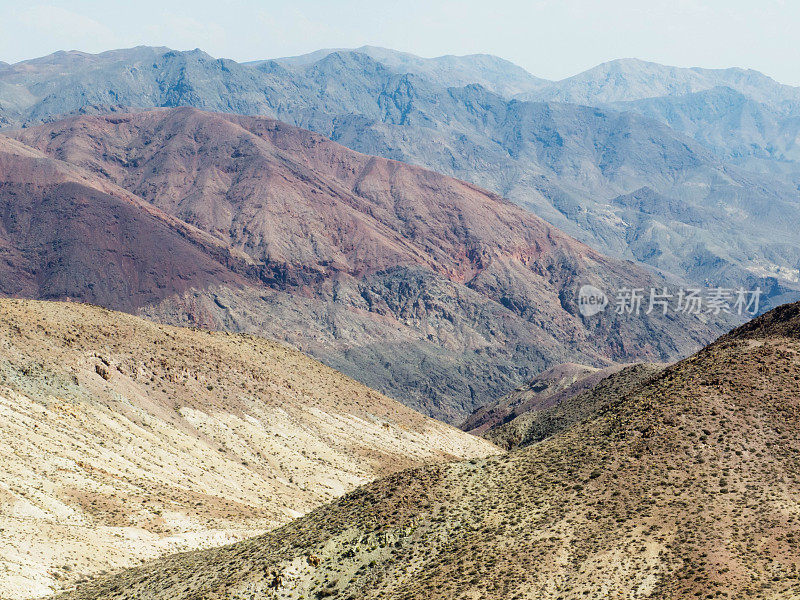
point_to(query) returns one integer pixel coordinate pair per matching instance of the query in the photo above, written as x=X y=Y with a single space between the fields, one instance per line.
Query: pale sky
x=550 y=38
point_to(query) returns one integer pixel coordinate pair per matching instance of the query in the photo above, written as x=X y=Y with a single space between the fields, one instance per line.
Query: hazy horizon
x=354 y=48
x=552 y=40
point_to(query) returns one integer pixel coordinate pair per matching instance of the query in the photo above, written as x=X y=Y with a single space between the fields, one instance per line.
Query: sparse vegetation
x=626 y=501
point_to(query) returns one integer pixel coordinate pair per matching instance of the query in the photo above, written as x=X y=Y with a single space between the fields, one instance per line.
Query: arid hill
x=549 y=415
x=122 y=440
x=548 y=389
x=687 y=486
x=419 y=285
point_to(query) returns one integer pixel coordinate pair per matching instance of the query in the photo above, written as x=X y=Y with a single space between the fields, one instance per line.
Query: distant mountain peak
x=623 y=63
x=629 y=79
x=81 y=56
x=494 y=73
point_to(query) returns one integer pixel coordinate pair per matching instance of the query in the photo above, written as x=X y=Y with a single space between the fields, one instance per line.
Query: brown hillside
x=552 y=387
x=686 y=487
x=67 y=234
x=542 y=419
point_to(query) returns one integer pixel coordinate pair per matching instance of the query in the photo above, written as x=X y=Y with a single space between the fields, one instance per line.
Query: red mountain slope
x=418 y=284
x=67 y=234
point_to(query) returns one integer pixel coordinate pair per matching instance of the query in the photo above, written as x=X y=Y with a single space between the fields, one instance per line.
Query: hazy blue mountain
x=740 y=114
x=632 y=79
x=732 y=124
x=569 y=163
x=710 y=149
x=65 y=82
x=493 y=73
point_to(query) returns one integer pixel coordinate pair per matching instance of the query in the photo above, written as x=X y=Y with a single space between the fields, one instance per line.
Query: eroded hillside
x=686 y=486
x=122 y=440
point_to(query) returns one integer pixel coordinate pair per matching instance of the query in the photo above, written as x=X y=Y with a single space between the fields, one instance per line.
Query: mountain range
x=491 y=72
x=427 y=228
x=424 y=287
x=717 y=144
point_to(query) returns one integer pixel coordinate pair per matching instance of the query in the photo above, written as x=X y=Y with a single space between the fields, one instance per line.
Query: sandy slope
x=121 y=440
